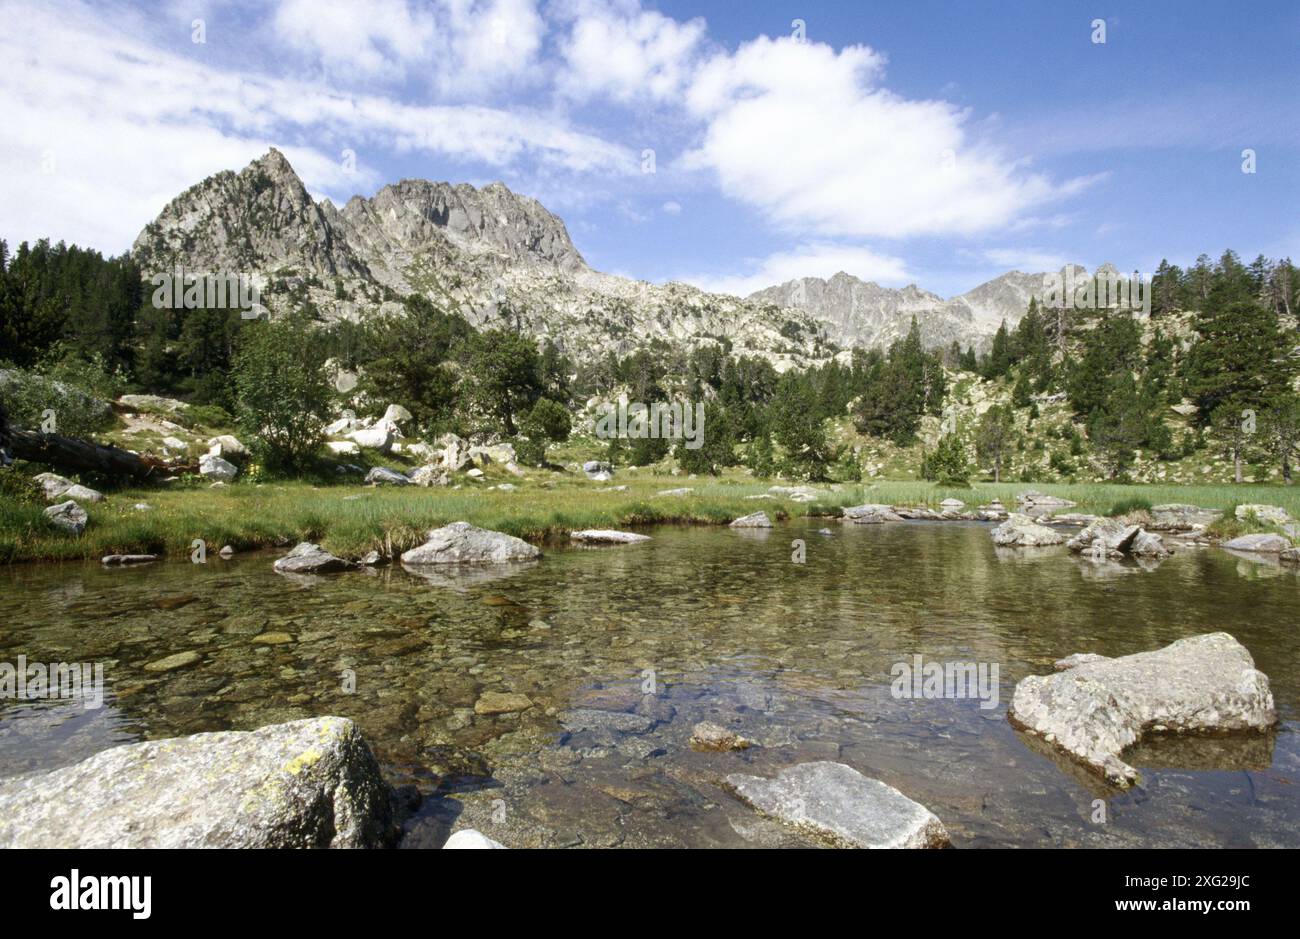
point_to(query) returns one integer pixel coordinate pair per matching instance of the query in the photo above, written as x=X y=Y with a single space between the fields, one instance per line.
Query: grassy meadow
x=350 y=519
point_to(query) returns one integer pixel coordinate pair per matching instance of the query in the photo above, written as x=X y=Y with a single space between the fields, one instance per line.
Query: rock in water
x=308 y=558
x=468 y=838
x=1098 y=706
x=1021 y=531
x=838 y=804
x=607 y=536
x=1260 y=544
x=69 y=516
x=306 y=784
x=756 y=520
x=872 y=513
x=708 y=736
x=462 y=543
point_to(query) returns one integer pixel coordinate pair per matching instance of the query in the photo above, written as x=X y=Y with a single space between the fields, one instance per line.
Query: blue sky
x=927 y=142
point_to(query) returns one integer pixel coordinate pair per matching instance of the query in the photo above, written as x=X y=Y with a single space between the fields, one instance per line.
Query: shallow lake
x=717 y=624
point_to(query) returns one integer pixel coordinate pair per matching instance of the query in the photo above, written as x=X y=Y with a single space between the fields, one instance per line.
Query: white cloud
x=810 y=137
x=671 y=207
x=1026 y=259
x=808 y=260
x=463 y=47
x=619 y=51
x=129 y=125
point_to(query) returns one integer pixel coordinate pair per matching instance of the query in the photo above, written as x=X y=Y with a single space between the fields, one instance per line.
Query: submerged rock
x=754 y=520
x=708 y=736
x=502 y=702
x=1021 y=531
x=462 y=543
x=607 y=536
x=837 y=804
x=306 y=784
x=308 y=558
x=1096 y=706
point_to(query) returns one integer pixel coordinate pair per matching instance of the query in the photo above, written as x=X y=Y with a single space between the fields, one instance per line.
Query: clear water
x=796 y=657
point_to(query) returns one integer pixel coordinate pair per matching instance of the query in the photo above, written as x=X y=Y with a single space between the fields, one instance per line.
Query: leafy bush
x=284 y=396
x=28 y=396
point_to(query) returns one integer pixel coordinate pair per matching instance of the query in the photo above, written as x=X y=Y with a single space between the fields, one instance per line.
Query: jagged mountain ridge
x=498 y=258
x=862 y=313
x=502 y=259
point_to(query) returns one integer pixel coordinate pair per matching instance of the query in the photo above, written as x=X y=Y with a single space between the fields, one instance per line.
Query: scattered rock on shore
x=1098 y=706
x=122 y=560
x=754 y=520
x=837 y=804
x=217 y=469
x=59 y=487
x=69 y=516
x=871 y=514
x=306 y=784
x=383 y=476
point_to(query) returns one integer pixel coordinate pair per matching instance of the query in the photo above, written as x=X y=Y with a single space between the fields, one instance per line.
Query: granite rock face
x=837 y=804
x=306 y=784
x=1096 y=707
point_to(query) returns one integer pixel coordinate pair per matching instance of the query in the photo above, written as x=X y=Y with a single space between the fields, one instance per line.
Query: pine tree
x=993 y=437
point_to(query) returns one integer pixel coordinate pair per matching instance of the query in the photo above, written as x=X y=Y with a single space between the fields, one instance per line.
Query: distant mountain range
x=502 y=259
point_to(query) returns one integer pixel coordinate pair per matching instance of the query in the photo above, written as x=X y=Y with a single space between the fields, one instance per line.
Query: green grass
x=350 y=519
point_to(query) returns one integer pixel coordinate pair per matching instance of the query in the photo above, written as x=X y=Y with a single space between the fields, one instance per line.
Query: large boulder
x=395 y=414
x=57 y=487
x=306 y=784
x=69 y=516
x=308 y=558
x=217 y=469
x=430 y=476
x=1259 y=543
x=379 y=437
x=462 y=543
x=1096 y=707
x=838 y=805
x=598 y=470
x=471 y=839
x=1105 y=536
x=455 y=452
x=229 y=447
x=754 y=520
x=1021 y=531
x=492 y=453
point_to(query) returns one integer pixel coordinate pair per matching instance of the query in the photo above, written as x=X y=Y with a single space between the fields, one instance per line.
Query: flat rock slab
x=837 y=804
x=306 y=784
x=1097 y=707
x=872 y=513
x=502 y=702
x=607 y=536
x=462 y=543
x=121 y=560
